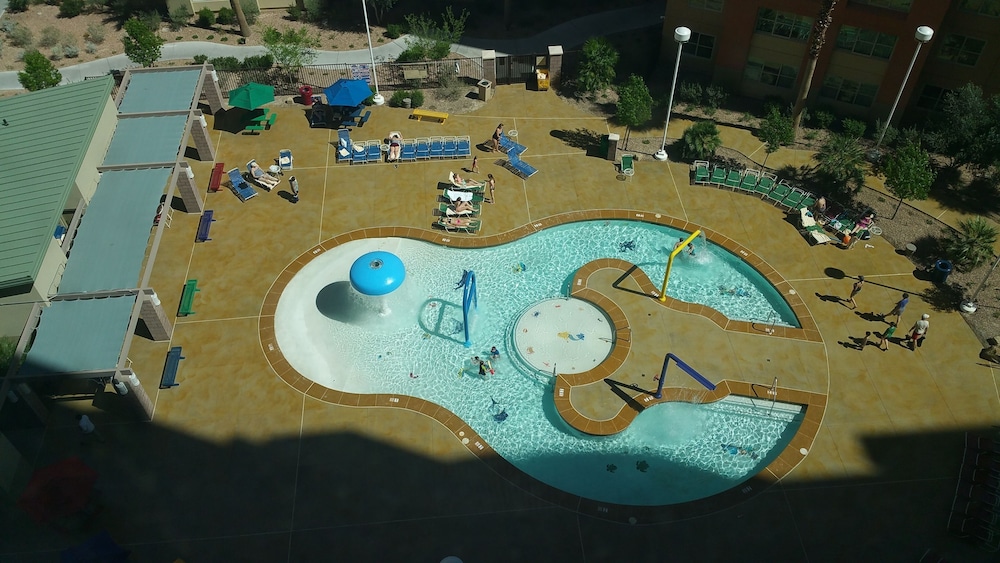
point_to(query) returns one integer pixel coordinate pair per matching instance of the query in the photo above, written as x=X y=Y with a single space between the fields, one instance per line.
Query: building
x=759 y=49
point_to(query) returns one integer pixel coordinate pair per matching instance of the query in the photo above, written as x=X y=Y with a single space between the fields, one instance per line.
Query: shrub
x=891 y=133
x=973 y=245
x=7 y=26
x=715 y=96
x=690 y=93
x=206 y=18
x=251 y=11
x=314 y=11
x=71 y=51
x=439 y=50
x=90 y=47
x=151 y=19
x=416 y=98
x=226 y=16
x=210 y=37
x=16 y=6
x=258 y=61
x=226 y=38
x=56 y=53
x=200 y=59
x=225 y=63
x=95 y=32
x=700 y=141
x=854 y=128
x=414 y=53
x=70 y=8
x=21 y=36
x=823 y=119
x=294 y=13
x=596 y=70
x=393 y=31
x=179 y=17
x=50 y=37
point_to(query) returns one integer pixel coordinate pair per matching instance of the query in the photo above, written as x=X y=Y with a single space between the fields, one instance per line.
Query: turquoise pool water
x=672 y=453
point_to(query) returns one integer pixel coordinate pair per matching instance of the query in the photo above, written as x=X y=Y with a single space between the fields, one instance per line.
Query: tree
x=142 y=46
x=240 y=18
x=597 y=69
x=635 y=105
x=700 y=141
x=908 y=173
x=816 y=41
x=973 y=245
x=380 y=7
x=291 y=49
x=841 y=160
x=776 y=130
x=39 y=73
x=969 y=129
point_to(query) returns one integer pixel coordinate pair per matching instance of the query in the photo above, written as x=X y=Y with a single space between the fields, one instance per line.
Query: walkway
x=569 y=34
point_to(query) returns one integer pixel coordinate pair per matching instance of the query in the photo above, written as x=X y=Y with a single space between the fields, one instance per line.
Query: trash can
x=485 y=90
x=306 y=92
x=942 y=269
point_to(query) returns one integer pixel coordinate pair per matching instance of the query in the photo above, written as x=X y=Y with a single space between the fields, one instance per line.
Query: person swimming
x=736 y=450
x=680 y=243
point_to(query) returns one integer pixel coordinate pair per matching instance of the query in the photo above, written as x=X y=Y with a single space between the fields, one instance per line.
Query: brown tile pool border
x=791 y=456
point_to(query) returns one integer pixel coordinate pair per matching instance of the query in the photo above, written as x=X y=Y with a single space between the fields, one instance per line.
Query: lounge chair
x=317 y=117
x=750 y=179
x=779 y=192
x=465 y=184
x=449 y=210
x=374 y=150
x=359 y=154
x=794 y=199
x=409 y=151
x=450 y=147
x=437 y=147
x=701 y=172
x=765 y=184
x=627 y=165
x=344 y=145
x=464 y=147
x=522 y=168
x=460 y=224
x=507 y=145
x=811 y=228
x=262 y=178
x=734 y=179
x=718 y=176
x=241 y=188
x=285 y=159
x=423 y=148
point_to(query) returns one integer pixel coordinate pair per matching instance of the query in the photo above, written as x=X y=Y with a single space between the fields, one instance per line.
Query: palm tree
x=700 y=141
x=842 y=161
x=816 y=41
x=242 y=19
x=973 y=245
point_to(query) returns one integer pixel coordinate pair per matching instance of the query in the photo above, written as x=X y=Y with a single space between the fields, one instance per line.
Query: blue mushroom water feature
x=378 y=274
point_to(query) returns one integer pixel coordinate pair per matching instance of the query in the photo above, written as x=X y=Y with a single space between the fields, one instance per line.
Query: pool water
x=672 y=453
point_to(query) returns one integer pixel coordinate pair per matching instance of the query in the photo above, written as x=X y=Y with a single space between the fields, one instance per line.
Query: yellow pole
x=670 y=262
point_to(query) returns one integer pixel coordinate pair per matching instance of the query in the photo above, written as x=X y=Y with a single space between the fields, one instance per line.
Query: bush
x=95 y=32
x=71 y=51
x=179 y=17
x=7 y=26
x=414 y=53
x=225 y=63
x=200 y=59
x=21 y=36
x=715 y=96
x=15 y=6
x=251 y=11
x=700 y=141
x=210 y=37
x=70 y=8
x=258 y=61
x=823 y=119
x=854 y=128
x=690 y=93
x=393 y=31
x=226 y=16
x=50 y=37
x=90 y=47
x=206 y=18
x=891 y=133
x=151 y=19
x=439 y=50
x=294 y=13
x=416 y=98
x=56 y=53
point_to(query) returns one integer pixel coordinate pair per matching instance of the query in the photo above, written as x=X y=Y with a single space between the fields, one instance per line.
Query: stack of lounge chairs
x=514 y=163
x=975 y=512
x=764 y=185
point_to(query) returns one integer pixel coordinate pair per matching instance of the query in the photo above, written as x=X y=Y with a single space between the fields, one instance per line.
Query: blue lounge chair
x=520 y=167
x=241 y=187
x=464 y=147
x=285 y=159
x=507 y=145
x=409 y=151
x=437 y=147
x=450 y=147
x=423 y=148
x=359 y=154
x=344 y=145
x=374 y=151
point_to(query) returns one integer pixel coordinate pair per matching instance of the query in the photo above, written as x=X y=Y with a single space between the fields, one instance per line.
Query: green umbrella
x=251 y=96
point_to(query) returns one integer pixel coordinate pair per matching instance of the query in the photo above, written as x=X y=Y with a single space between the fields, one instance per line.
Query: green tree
x=968 y=131
x=430 y=39
x=841 y=160
x=908 y=173
x=635 y=105
x=291 y=49
x=597 y=69
x=817 y=38
x=700 y=141
x=142 y=46
x=38 y=73
x=973 y=245
x=380 y=7
x=775 y=130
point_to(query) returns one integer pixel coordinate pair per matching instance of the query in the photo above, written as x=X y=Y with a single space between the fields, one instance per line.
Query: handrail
x=687 y=369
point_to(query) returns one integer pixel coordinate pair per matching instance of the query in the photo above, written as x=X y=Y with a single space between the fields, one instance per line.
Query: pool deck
x=241 y=463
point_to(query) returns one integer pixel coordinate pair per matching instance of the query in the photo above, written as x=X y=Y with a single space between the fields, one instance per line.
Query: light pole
x=681 y=35
x=923 y=35
x=377 y=98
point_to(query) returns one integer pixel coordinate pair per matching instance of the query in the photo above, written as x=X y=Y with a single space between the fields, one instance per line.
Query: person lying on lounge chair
x=462 y=182
x=456 y=221
x=395 y=146
x=461 y=206
x=260 y=176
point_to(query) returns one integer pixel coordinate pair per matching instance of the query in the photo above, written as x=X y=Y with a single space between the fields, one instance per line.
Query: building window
x=783 y=24
x=962 y=50
x=782 y=76
x=866 y=42
x=983 y=7
x=932 y=98
x=848 y=91
x=898 y=5
x=700 y=45
x=714 y=5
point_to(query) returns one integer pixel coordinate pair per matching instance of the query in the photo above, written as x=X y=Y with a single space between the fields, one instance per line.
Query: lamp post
x=377 y=98
x=923 y=35
x=681 y=35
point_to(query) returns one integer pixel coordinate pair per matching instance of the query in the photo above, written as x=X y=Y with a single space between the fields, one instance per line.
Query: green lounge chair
x=701 y=172
x=765 y=185
x=794 y=199
x=450 y=224
x=779 y=192
x=750 y=179
x=718 y=176
x=734 y=179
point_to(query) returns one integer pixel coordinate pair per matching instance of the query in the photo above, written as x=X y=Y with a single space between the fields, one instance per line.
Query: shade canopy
x=251 y=96
x=377 y=273
x=347 y=92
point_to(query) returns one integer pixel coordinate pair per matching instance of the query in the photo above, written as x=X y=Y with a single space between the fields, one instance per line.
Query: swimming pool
x=339 y=340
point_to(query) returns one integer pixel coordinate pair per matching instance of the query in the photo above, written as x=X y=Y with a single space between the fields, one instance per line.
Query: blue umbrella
x=346 y=92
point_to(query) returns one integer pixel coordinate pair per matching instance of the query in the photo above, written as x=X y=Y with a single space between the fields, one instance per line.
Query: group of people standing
x=914 y=337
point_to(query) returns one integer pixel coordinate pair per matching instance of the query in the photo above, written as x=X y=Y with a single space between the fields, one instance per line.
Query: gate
x=515 y=69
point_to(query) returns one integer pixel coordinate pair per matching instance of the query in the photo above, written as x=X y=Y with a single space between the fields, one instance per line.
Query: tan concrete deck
x=876 y=403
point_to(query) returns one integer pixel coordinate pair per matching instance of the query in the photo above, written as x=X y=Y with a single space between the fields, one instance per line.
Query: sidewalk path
x=569 y=34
